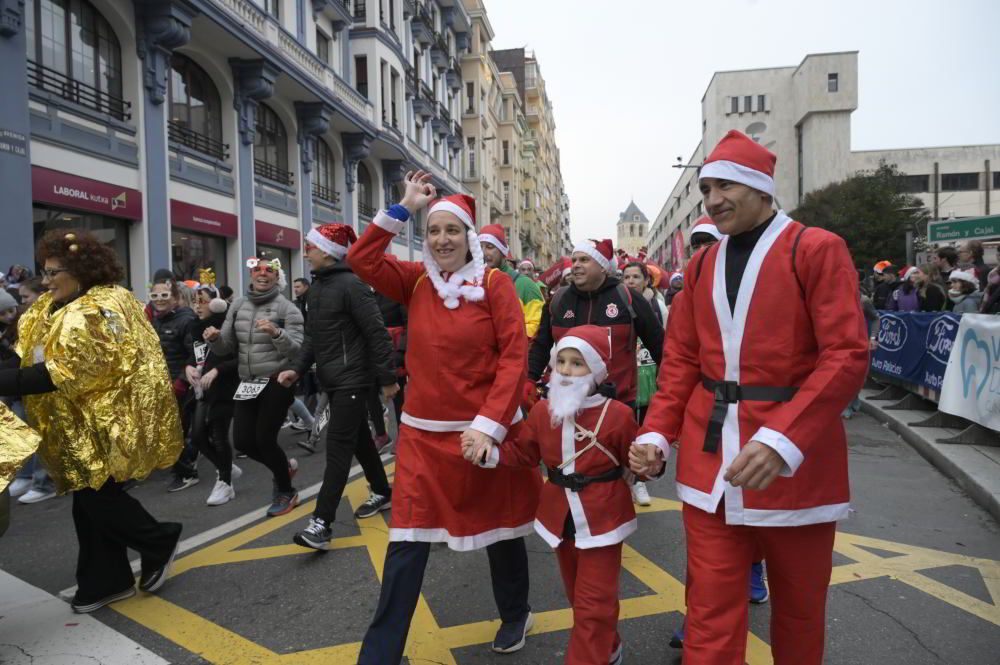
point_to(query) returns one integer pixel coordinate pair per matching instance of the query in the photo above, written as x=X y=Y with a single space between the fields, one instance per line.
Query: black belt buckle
x=574 y=482
x=726 y=392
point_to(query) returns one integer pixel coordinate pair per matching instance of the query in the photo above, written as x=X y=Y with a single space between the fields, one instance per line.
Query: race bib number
x=200 y=353
x=250 y=389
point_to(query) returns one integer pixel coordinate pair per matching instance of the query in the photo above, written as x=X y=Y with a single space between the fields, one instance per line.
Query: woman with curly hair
x=91 y=373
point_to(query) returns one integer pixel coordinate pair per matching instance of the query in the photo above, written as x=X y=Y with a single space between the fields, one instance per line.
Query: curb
x=934 y=454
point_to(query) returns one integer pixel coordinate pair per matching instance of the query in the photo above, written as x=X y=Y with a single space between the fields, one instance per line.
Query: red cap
x=496 y=236
x=460 y=205
x=739 y=158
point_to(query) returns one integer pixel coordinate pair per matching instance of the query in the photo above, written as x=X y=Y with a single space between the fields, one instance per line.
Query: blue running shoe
x=758 y=590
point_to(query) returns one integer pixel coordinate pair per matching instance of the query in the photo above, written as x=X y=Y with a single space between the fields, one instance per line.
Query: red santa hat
x=496 y=236
x=526 y=262
x=468 y=281
x=593 y=343
x=739 y=158
x=332 y=239
x=601 y=251
x=907 y=272
x=704 y=224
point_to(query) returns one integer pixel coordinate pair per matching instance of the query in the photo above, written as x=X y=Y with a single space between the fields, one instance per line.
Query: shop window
x=73 y=53
x=192 y=252
x=195 y=110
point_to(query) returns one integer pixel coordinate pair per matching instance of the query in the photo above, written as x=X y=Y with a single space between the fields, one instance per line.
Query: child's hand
x=645 y=459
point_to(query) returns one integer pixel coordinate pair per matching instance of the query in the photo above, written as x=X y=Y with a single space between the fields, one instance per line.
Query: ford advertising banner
x=913 y=347
x=972 y=382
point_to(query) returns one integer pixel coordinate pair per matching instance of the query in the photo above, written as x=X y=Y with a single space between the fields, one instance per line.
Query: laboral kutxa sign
x=972 y=381
x=70 y=191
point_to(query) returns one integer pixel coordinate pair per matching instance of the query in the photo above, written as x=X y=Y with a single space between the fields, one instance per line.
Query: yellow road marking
x=429 y=641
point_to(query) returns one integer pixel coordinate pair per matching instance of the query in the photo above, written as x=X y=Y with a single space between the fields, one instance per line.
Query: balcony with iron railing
x=325 y=194
x=51 y=81
x=272 y=172
x=181 y=135
x=366 y=210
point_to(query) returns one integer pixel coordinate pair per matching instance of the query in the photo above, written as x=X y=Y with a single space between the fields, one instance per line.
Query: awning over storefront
x=203 y=220
x=277 y=236
x=70 y=191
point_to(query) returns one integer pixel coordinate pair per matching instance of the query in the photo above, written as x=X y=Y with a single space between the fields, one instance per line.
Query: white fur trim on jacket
x=783 y=446
x=325 y=244
x=450 y=291
x=734 y=172
x=388 y=223
x=460 y=543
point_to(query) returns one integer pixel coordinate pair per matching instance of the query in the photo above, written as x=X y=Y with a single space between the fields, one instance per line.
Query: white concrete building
x=803 y=115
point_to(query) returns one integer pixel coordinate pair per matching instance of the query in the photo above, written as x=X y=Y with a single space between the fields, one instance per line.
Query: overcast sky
x=626 y=78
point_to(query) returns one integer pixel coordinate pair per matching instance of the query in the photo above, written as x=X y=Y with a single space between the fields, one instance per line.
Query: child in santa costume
x=466 y=356
x=765 y=348
x=585 y=511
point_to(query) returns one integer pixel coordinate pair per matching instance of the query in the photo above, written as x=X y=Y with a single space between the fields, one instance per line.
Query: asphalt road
x=916 y=577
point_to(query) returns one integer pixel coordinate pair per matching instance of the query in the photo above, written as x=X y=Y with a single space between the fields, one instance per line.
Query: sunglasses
x=160 y=296
x=263 y=267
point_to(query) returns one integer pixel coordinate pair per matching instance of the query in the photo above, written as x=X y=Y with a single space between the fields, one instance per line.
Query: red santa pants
x=799 y=563
x=591 y=580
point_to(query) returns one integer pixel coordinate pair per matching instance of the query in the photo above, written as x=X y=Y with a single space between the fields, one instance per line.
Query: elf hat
x=593 y=343
x=332 y=239
x=601 y=251
x=496 y=236
x=738 y=158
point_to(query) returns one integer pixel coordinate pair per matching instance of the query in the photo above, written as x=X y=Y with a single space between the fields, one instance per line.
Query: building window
x=761 y=103
x=270 y=147
x=394 y=97
x=506 y=152
x=73 y=53
x=325 y=174
x=272 y=7
x=959 y=182
x=506 y=196
x=914 y=184
x=748 y=104
x=195 y=110
x=470 y=97
x=361 y=75
x=996 y=180
x=322 y=47
x=365 y=206
x=734 y=104
x=471 y=145
x=832 y=82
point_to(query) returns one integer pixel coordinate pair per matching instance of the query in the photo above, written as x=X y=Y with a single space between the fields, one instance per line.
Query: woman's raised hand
x=419 y=190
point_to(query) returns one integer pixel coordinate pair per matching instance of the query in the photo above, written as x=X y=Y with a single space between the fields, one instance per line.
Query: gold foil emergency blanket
x=114 y=414
x=18 y=442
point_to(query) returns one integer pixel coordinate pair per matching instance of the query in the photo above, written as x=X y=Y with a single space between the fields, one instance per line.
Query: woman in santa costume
x=466 y=356
x=585 y=511
x=764 y=350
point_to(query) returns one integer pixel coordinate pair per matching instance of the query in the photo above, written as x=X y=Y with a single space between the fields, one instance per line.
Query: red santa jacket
x=800 y=327
x=602 y=512
x=466 y=365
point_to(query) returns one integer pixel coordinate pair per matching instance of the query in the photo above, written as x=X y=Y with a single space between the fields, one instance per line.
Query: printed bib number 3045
x=250 y=389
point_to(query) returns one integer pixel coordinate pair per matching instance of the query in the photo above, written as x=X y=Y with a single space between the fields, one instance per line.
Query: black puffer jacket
x=344 y=333
x=173 y=329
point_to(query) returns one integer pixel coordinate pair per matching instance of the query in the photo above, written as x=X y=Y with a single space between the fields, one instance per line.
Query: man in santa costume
x=765 y=348
x=585 y=511
x=595 y=296
x=493 y=240
x=466 y=354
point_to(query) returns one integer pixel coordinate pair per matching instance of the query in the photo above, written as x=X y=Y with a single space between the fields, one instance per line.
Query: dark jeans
x=347 y=436
x=256 y=423
x=109 y=522
x=375 y=412
x=402 y=577
x=186 y=465
x=210 y=435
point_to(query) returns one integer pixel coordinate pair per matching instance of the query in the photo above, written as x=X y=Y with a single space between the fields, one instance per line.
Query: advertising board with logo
x=972 y=381
x=71 y=191
x=914 y=347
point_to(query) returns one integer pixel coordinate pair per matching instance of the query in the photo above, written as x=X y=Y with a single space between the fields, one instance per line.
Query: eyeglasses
x=49 y=273
x=263 y=267
x=160 y=296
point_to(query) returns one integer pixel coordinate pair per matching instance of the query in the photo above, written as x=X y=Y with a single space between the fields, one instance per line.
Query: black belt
x=575 y=482
x=730 y=392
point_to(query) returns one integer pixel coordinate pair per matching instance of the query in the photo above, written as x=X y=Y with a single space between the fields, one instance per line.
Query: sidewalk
x=36 y=628
x=976 y=469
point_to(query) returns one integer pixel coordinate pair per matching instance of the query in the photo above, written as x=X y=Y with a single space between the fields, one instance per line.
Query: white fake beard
x=567 y=395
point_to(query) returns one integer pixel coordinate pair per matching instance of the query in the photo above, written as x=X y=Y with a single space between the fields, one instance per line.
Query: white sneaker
x=221 y=493
x=640 y=494
x=36 y=496
x=19 y=486
x=236 y=472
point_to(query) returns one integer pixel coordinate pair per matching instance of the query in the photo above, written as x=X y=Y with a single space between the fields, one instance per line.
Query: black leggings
x=256 y=423
x=210 y=435
x=375 y=411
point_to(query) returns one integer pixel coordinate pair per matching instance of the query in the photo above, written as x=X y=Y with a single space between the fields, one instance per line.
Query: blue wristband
x=398 y=212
